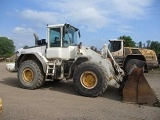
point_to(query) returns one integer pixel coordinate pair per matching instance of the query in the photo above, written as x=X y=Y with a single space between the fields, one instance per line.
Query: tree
x=7 y=47
x=140 y=44
x=148 y=43
x=155 y=45
x=128 y=42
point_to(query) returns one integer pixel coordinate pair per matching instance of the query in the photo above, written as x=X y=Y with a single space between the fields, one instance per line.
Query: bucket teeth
x=137 y=90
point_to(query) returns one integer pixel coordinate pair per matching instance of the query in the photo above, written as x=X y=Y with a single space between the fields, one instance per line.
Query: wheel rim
x=27 y=75
x=89 y=79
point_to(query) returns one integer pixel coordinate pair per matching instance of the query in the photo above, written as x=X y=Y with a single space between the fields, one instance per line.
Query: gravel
x=60 y=101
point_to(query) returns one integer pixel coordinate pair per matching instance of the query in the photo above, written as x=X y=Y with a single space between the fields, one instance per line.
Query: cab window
x=114 y=46
x=70 y=37
x=55 y=37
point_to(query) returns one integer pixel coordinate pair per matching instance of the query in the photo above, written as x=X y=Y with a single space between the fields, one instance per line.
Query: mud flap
x=137 y=90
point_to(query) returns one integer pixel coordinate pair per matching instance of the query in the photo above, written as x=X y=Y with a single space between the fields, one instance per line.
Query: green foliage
x=128 y=42
x=148 y=43
x=154 y=45
x=140 y=44
x=7 y=47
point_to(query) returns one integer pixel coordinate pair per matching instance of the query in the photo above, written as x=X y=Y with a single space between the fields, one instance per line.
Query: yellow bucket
x=0 y=104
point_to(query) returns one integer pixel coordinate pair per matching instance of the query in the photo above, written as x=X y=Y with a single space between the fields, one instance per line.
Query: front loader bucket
x=137 y=90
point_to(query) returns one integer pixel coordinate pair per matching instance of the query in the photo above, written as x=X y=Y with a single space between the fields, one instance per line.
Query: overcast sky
x=98 y=20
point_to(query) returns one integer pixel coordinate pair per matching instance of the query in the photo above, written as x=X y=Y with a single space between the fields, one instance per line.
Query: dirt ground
x=56 y=101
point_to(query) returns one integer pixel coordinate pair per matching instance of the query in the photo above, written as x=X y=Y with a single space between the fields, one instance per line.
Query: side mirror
x=65 y=29
x=79 y=34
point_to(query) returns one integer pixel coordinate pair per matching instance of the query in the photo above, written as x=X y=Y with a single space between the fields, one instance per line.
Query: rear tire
x=31 y=75
x=89 y=79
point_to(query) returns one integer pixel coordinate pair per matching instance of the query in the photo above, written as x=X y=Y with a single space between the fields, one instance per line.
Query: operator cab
x=62 y=40
x=62 y=35
x=116 y=47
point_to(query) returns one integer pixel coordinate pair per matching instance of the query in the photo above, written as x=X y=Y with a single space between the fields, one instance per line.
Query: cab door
x=57 y=46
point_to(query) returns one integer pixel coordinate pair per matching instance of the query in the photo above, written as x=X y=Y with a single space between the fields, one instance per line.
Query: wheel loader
x=60 y=57
x=123 y=55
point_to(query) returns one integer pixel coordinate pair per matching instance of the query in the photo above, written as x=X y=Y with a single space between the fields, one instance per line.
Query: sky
x=98 y=20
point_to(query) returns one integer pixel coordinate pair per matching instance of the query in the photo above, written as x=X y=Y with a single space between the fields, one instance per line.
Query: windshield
x=70 y=37
x=114 y=46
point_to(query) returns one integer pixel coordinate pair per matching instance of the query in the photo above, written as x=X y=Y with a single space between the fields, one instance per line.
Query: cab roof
x=56 y=25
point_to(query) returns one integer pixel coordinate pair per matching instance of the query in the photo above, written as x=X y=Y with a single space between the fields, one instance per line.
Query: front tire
x=89 y=79
x=31 y=75
x=138 y=63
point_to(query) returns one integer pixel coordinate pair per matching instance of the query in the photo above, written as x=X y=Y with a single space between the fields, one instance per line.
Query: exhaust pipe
x=36 y=38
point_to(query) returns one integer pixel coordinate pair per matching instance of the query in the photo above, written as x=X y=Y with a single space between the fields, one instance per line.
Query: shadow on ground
x=65 y=87
x=68 y=88
x=10 y=81
x=112 y=93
